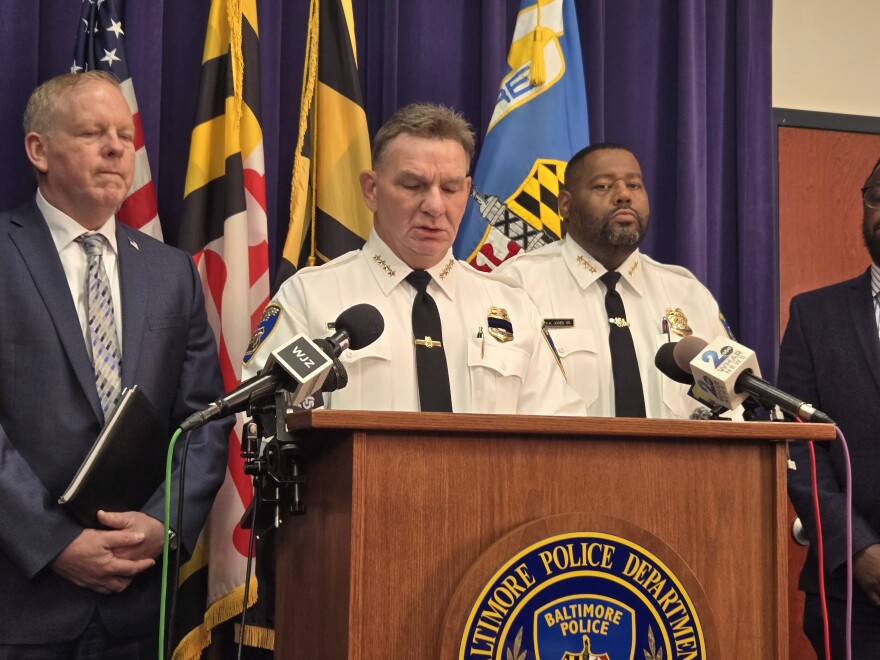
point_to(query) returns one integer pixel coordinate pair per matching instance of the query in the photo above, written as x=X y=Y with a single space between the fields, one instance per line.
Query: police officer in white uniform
x=605 y=209
x=497 y=360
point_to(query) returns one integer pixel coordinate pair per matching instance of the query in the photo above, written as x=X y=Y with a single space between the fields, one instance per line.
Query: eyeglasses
x=871 y=196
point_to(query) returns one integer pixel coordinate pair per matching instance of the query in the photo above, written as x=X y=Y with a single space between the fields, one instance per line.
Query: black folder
x=124 y=467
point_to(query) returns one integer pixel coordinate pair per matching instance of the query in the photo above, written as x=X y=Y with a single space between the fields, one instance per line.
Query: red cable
x=820 y=552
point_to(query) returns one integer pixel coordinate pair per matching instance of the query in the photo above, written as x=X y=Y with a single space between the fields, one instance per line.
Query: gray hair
x=39 y=114
x=425 y=120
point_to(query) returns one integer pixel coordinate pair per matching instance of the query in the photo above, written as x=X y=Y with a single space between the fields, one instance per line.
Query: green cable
x=168 y=463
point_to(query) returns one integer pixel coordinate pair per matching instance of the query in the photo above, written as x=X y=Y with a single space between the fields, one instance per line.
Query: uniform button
x=503 y=367
x=348 y=352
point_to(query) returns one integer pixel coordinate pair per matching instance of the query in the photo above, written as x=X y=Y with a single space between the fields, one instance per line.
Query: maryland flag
x=328 y=216
x=224 y=228
x=540 y=121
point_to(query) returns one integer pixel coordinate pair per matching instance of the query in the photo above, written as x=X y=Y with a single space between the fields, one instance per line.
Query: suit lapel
x=861 y=307
x=133 y=278
x=34 y=242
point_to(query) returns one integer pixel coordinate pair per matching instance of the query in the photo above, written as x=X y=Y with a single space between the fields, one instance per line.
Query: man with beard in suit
x=830 y=356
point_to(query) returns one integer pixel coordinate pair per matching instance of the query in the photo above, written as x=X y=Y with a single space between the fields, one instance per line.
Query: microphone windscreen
x=702 y=413
x=363 y=323
x=665 y=362
x=686 y=350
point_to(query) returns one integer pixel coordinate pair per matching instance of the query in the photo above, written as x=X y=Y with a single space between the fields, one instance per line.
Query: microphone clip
x=271 y=458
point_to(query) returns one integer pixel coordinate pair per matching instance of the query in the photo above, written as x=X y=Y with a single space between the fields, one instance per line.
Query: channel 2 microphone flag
x=328 y=216
x=540 y=121
x=100 y=46
x=224 y=227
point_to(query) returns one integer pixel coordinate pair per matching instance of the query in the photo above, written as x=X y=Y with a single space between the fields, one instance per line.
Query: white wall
x=826 y=56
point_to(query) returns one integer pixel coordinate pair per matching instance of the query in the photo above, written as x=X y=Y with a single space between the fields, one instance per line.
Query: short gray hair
x=39 y=114
x=425 y=120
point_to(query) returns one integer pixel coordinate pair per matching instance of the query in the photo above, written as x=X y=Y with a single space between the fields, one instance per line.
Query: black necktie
x=431 y=366
x=629 y=400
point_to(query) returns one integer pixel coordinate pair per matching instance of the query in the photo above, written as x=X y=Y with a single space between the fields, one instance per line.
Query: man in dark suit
x=70 y=591
x=830 y=356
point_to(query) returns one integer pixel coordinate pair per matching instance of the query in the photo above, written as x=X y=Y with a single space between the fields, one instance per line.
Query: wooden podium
x=400 y=505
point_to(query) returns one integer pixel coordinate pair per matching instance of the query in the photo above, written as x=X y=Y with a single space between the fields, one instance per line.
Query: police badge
x=678 y=322
x=499 y=324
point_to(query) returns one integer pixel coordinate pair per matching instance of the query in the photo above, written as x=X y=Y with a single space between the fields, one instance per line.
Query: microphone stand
x=276 y=479
x=750 y=410
x=271 y=463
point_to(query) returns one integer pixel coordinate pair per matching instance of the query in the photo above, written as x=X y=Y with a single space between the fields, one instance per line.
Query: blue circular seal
x=583 y=596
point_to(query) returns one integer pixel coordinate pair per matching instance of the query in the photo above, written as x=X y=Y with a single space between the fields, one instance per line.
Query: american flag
x=100 y=44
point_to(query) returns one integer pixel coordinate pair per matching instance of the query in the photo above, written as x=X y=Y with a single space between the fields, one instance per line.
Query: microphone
x=301 y=366
x=357 y=327
x=298 y=365
x=728 y=373
x=337 y=376
x=665 y=362
x=702 y=413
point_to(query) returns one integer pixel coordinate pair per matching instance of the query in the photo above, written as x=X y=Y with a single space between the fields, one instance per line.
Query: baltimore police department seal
x=583 y=596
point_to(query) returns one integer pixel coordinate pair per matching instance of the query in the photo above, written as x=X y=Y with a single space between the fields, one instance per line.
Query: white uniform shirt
x=563 y=280
x=486 y=375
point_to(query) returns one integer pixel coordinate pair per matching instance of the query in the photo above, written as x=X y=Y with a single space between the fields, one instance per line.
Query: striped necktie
x=104 y=342
x=877 y=311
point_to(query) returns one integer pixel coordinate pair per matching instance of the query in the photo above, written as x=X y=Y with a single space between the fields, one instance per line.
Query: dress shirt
x=563 y=280
x=64 y=230
x=875 y=292
x=486 y=375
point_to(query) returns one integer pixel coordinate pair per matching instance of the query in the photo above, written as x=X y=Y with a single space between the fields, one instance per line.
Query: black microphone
x=300 y=366
x=337 y=376
x=665 y=362
x=723 y=369
x=358 y=326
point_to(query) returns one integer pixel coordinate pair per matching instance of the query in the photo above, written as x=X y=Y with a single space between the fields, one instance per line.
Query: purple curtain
x=685 y=84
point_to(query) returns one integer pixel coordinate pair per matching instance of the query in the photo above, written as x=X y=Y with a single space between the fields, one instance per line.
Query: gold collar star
x=586 y=263
x=384 y=265
x=446 y=269
x=632 y=268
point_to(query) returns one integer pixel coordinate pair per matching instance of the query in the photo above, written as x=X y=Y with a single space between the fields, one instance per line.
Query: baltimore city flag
x=540 y=121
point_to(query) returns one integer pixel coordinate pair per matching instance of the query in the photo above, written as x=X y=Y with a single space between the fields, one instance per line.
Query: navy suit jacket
x=830 y=357
x=50 y=415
